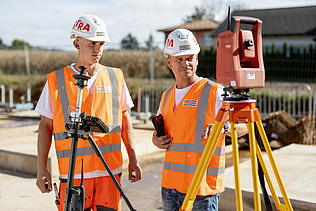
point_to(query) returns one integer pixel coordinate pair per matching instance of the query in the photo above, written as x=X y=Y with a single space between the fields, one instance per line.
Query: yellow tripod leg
x=203 y=164
x=254 y=165
x=234 y=141
x=267 y=147
x=268 y=178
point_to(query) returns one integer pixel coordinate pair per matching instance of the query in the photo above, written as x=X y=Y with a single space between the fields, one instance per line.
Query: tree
x=19 y=44
x=129 y=43
x=149 y=44
x=2 y=45
x=198 y=14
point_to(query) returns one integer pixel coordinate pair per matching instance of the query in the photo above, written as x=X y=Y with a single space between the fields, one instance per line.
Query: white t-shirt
x=180 y=93
x=44 y=106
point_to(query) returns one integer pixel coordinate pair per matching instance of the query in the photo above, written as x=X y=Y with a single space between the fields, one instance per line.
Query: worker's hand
x=134 y=171
x=162 y=142
x=44 y=181
x=207 y=131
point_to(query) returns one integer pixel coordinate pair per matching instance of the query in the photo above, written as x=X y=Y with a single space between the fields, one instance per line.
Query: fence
x=295 y=99
x=288 y=111
x=298 y=100
x=289 y=64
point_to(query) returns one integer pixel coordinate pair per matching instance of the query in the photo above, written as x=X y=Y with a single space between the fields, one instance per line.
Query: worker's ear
x=169 y=62
x=76 y=43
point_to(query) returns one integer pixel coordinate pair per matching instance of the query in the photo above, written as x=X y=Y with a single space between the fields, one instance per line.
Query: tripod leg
x=267 y=176
x=254 y=165
x=201 y=168
x=99 y=154
x=238 y=194
x=72 y=163
x=274 y=167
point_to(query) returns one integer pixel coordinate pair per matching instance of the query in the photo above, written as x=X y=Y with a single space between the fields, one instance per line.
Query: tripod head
x=239 y=62
x=86 y=123
x=81 y=80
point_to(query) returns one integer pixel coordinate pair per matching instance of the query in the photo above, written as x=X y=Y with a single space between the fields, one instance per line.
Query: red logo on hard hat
x=80 y=25
x=169 y=43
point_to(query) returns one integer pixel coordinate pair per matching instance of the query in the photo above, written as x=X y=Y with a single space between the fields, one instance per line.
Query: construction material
x=282 y=127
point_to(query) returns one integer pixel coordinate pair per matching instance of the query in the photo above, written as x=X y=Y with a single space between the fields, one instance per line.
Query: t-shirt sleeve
x=126 y=98
x=219 y=99
x=44 y=105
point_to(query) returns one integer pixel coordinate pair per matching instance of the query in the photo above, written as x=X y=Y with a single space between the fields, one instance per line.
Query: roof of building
x=199 y=25
x=280 y=21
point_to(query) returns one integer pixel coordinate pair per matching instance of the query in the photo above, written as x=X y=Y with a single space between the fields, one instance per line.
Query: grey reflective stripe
x=89 y=150
x=180 y=147
x=63 y=135
x=166 y=96
x=112 y=129
x=187 y=168
x=115 y=128
x=60 y=136
x=115 y=100
x=198 y=145
x=61 y=84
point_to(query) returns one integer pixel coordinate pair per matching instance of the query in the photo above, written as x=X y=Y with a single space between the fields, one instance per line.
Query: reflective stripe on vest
x=115 y=128
x=198 y=145
x=89 y=150
x=166 y=95
x=187 y=168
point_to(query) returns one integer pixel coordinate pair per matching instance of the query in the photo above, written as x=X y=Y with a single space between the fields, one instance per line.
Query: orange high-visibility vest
x=185 y=124
x=105 y=104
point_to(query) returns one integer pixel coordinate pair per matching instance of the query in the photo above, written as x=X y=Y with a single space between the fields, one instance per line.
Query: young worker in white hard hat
x=189 y=109
x=106 y=97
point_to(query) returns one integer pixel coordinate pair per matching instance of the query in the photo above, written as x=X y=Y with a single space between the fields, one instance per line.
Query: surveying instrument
x=240 y=65
x=75 y=196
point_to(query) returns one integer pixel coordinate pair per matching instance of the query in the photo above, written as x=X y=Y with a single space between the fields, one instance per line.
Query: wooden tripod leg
x=203 y=164
x=238 y=194
x=254 y=165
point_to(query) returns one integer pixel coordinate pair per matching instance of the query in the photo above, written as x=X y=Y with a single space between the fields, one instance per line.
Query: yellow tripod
x=239 y=111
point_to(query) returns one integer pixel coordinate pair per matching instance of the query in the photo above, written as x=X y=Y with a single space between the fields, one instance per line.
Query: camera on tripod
x=239 y=61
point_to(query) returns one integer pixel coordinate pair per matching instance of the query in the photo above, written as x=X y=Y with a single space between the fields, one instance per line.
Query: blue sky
x=47 y=23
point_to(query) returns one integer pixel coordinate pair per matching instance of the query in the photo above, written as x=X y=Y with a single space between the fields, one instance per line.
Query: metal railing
x=25 y=104
x=298 y=100
x=295 y=99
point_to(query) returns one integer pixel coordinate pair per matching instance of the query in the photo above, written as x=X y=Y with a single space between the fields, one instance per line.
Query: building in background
x=202 y=30
x=294 y=26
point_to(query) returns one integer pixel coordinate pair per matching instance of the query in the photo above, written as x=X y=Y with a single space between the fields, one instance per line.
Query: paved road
x=18 y=192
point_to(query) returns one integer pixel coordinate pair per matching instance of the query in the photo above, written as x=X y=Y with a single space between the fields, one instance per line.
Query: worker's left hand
x=207 y=131
x=134 y=172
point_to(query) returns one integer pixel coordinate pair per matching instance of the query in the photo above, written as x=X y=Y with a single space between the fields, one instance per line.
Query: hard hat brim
x=182 y=53
x=95 y=39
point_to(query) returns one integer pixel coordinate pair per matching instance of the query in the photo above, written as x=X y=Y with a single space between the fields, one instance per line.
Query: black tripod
x=79 y=121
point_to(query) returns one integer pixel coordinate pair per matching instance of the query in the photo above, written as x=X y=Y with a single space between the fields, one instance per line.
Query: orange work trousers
x=100 y=193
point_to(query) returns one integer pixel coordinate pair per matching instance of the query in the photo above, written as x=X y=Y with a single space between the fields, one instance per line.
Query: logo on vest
x=104 y=88
x=191 y=103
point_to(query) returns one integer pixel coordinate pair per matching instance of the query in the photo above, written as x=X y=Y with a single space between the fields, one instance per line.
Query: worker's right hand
x=162 y=142
x=44 y=181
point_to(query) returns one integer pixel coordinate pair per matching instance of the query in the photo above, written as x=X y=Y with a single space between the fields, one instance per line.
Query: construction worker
x=189 y=109
x=106 y=97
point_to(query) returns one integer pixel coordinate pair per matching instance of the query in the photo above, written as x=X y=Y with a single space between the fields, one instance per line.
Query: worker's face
x=89 y=51
x=183 y=67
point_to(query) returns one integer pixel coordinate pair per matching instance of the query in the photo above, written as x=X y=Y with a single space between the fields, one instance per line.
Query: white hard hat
x=181 y=42
x=90 y=27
